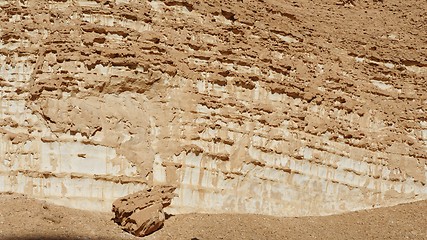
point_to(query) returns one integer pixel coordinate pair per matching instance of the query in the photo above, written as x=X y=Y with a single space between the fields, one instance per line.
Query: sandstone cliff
x=280 y=108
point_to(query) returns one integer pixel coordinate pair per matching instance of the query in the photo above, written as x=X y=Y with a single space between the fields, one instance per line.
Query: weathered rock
x=267 y=107
x=142 y=213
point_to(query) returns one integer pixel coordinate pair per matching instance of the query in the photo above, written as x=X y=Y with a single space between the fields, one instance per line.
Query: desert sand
x=25 y=218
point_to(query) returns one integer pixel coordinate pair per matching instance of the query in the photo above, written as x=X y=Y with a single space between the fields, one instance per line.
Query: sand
x=25 y=218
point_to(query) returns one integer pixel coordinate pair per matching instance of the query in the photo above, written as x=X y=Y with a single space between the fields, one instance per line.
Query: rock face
x=142 y=213
x=271 y=107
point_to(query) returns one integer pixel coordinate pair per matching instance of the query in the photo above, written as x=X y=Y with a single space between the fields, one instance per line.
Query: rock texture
x=273 y=107
x=142 y=213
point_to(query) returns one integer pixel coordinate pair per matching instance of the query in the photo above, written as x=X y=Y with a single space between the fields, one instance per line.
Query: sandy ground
x=25 y=218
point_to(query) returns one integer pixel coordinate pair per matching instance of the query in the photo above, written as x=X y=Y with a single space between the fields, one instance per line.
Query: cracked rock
x=142 y=213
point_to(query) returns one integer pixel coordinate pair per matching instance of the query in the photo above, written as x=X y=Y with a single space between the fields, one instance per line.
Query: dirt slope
x=25 y=218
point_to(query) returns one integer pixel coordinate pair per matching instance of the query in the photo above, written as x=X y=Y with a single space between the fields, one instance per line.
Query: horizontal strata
x=248 y=107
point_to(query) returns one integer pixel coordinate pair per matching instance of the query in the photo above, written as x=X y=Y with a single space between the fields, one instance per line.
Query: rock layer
x=279 y=108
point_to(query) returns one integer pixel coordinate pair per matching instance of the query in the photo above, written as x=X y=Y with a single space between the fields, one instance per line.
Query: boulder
x=142 y=213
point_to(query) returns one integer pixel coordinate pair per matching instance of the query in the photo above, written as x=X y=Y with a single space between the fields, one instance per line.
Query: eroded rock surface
x=142 y=213
x=273 y=107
